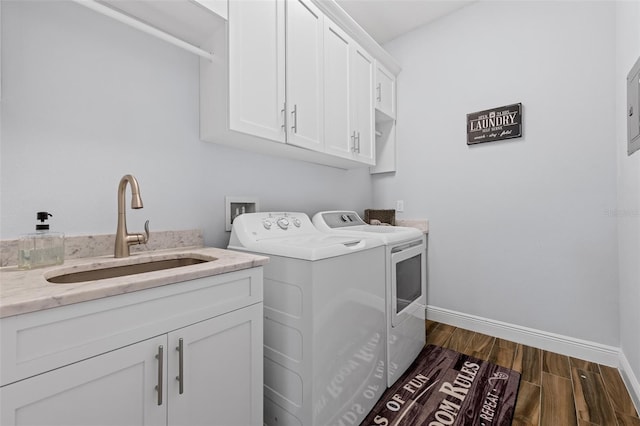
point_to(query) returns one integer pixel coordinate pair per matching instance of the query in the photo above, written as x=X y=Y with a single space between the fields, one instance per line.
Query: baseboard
x=577 y=348
x=630 y=380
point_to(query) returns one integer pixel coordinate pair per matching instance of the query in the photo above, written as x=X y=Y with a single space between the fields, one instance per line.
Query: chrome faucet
x=124 y=239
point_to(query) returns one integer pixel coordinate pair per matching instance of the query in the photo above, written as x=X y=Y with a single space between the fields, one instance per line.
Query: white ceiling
x=385 y=20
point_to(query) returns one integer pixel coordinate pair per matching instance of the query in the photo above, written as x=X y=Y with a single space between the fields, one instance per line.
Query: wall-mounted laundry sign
x=494 y=124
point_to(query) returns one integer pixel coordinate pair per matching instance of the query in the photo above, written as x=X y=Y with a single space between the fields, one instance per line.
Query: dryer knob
x=296 y=222
x=266 y=224
x=344 y=218
x=283 y=223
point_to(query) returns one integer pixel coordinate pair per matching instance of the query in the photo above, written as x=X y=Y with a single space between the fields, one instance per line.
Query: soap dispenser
x=42 y=248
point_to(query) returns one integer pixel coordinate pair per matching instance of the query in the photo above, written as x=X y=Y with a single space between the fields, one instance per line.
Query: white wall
x=86 y=100
x=521 y=231
x=628 y=212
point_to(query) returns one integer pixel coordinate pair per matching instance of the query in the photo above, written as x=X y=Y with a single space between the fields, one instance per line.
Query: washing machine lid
x=292 y=235
x=346 y=222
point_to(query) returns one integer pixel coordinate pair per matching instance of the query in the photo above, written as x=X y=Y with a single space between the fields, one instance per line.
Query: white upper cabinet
x=385 y=91
x=262 y=102
x=286 y=76
x=304 y=75
x=348 y=97
x=256 y=69
x=362 y=65
x=385 y=116
x=338 y=132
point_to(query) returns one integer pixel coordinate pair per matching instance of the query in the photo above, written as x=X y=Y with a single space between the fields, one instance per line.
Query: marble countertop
x=23 y=291
x=421 y=224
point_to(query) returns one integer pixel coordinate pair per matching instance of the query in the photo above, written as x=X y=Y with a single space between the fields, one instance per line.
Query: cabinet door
x=362 y=66
x=385 y=92
x=256 y=68
x=338 y=131
x=304 y=75
x=221 y=371
x=117 y=388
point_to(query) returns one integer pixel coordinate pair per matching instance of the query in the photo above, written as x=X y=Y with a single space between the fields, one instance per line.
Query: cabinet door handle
x=180 y=377
x=284 y=117
x=295 y=118
x=358 y=146
x=379 y=89
x=160 y=358
x=353 y=138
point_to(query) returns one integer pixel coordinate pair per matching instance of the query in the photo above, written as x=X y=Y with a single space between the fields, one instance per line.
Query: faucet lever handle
x=146 y=232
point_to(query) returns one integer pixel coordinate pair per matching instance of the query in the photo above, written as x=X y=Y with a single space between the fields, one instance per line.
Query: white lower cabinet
x=201 y=370
x=222 y=371
x=117 y=388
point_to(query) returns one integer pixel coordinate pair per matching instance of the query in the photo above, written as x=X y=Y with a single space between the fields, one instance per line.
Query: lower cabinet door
x=218 y=362
x=116 y=388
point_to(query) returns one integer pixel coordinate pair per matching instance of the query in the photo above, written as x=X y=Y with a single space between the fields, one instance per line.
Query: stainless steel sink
x=124 y=270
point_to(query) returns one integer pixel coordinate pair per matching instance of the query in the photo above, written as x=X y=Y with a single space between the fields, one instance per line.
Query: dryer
x=324 y=319
x=405 y=283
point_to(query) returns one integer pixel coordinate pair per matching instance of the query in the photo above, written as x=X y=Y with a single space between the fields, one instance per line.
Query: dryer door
x=408 y=276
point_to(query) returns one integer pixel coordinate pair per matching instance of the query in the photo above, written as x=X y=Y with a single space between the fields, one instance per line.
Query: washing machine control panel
x=283 y=223
x=275 y=224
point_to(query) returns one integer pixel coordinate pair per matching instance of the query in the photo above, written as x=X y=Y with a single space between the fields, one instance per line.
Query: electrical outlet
x=400 y=206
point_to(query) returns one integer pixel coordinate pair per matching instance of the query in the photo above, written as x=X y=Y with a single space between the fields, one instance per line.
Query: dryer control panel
x=341 y=219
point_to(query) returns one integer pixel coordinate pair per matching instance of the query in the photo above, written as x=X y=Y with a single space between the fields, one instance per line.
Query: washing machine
x=324 y=319
x=405 y=283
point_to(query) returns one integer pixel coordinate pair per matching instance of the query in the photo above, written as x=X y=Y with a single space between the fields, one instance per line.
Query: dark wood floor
x=555 y=390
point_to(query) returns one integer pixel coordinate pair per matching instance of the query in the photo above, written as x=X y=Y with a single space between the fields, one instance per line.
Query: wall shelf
x=188 y=24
